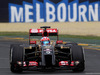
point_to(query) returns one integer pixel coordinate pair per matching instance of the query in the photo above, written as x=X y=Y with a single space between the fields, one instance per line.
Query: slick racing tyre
x=16 y=54
x=78 y=55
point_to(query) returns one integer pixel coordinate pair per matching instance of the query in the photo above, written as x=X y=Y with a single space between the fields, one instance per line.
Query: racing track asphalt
x=92 y=62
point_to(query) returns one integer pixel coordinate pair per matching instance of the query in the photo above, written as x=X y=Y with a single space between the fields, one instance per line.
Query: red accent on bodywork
x=52 y=30
x=72 y=63
x=63 y=63
x=41 y=30
x=59 y=42
x=31 y=63
x=66 y=63
x=32 y=42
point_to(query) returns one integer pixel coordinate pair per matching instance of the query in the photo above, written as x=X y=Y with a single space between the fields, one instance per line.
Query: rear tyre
x=16 y=54
x=78 y=55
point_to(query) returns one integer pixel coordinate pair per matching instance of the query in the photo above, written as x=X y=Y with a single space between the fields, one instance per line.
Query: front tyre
x=16 y=54
x=78 y=55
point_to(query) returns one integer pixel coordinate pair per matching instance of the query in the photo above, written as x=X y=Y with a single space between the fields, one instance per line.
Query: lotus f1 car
x=44 y=55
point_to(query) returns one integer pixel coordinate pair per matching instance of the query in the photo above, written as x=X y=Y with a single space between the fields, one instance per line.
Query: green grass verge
x=63 y=36
x=13 y=33
x=81 y=37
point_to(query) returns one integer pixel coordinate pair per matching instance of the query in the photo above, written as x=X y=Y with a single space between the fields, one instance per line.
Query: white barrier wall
x=76 y=28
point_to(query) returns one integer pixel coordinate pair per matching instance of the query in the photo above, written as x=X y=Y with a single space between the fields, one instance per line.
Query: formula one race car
x=46 y=54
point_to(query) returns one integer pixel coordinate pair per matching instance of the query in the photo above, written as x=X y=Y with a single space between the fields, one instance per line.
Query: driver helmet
x=45 y=41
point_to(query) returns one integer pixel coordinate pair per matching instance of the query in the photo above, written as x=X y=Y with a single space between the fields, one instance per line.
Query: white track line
x=93 y=73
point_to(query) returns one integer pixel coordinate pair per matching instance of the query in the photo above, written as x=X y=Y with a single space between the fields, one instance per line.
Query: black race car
x=46 y=55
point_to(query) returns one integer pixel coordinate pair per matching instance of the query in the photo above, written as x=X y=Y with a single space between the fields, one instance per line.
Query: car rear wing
x=39 y=32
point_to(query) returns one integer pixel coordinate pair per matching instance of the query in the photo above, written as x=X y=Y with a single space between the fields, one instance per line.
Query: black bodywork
x=47 y=56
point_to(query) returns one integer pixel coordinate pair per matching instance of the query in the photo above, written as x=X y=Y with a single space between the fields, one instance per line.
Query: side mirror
x=32 y=42
x=59 y=42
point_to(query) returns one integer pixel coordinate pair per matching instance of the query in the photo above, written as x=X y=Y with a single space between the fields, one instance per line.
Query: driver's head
x=45 y=41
